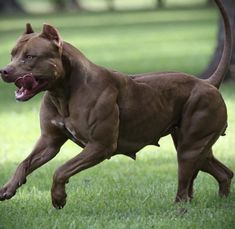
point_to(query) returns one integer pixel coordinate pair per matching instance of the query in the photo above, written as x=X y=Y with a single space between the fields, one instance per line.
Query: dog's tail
x=217 y=77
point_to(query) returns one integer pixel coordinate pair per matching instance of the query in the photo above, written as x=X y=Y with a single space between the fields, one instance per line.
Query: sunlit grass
x=119 y=193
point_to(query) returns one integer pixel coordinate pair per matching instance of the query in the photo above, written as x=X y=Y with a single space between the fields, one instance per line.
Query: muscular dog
x=109 y=113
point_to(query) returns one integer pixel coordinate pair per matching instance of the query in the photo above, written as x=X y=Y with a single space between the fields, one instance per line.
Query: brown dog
x=109 y=113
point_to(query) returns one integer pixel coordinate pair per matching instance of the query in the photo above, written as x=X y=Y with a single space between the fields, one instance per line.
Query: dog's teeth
x=20 y=93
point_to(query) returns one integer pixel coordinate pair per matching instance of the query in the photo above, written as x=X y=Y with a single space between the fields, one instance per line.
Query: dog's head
x=36 y=62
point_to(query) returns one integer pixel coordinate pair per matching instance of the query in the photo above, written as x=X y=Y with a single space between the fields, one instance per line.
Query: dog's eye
x=29 y=57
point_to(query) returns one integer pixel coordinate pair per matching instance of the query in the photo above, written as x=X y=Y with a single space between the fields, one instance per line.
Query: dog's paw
x=58 y=204
x=224 y=188
x=58 y=197
x=6 y=193
x=59 y=201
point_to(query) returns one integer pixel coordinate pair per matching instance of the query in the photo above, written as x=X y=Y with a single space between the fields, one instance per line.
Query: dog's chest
x=68 y=129
x=69 y=122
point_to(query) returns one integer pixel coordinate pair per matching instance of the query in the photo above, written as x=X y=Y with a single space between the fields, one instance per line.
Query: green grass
x=119 y=193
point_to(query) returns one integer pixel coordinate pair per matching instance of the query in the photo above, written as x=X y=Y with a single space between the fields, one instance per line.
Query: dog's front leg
x=45 y=149
x=90 y=156
x=103 y=129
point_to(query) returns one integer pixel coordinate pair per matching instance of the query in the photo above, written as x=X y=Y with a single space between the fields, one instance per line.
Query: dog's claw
x=58 y=204
x=58 y=199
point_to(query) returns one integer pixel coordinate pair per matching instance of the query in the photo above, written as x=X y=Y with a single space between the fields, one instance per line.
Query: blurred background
x=127 y=21
x=54 y=5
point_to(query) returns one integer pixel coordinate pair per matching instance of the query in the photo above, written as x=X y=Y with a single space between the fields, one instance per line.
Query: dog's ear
x=51 y=33
x=28 y=29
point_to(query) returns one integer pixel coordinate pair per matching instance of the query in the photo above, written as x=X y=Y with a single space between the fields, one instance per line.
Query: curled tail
x=217 y=77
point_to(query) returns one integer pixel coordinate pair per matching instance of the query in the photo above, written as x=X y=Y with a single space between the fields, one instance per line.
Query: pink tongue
x=27 y=82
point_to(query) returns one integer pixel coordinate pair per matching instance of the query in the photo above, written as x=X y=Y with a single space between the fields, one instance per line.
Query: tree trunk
x=209 y=2
x=110 y=5
x=75 y=4
x=160 y=3
x=230 y=7
x=59 y=4
x=10 y=6
x=68 y=4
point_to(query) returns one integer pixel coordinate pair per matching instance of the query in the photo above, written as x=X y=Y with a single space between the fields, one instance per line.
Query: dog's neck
x=72 y=59
x=60 y=97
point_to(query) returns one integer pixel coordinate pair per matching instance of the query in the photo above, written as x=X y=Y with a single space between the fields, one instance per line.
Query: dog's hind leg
x=190 y=189
x=175 y=136
x=198 y=156
x=194 y=153
x=220 y=172
x=187 y=172
x=203 y=121
x=183 y=180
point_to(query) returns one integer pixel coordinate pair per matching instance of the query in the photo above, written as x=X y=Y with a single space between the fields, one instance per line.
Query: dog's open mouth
x=28 y=86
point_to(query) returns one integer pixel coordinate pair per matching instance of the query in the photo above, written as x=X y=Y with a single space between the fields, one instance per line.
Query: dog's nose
x=5 y=71
x=1 y=73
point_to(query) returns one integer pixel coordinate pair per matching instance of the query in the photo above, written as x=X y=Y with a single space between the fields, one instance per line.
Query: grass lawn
x=119 y=193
